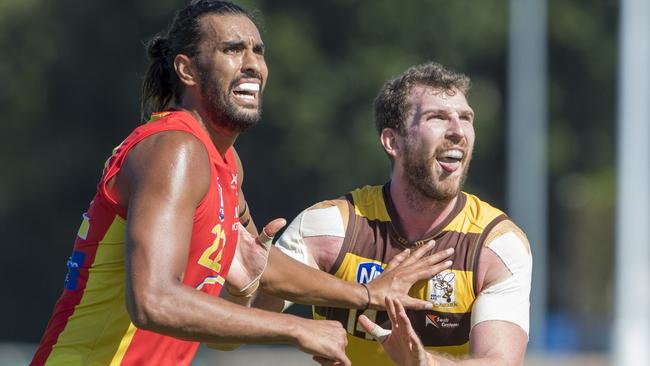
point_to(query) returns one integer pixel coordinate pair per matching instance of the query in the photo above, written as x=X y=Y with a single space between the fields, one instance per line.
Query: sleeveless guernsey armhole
x=478 y=247
x=201 y=207
x=116 y=161
x=350 y=224
x=229 y=158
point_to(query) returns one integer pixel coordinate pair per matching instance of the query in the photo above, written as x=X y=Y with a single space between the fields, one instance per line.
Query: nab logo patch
x=368 y=271
x=75 y=261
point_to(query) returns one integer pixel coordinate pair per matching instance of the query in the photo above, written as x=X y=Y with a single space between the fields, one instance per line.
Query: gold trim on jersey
x=474 y=217
x=367 y=205
x=98 y=307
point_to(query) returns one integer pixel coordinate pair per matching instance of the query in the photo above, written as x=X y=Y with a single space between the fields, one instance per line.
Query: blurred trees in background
x=71 y=73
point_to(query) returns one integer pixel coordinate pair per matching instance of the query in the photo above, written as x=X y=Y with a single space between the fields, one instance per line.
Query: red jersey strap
x=171 y=120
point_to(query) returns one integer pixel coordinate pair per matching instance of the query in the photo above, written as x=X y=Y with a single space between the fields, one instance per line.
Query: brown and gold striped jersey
x=372 y=239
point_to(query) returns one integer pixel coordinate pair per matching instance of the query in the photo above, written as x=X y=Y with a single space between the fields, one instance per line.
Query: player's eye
x=232 y=49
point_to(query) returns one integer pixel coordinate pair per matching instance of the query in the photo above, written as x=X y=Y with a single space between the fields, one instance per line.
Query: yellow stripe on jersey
x=124 y=345
x=211 y=281
x=369 y=203
x=477 y=216
x=85 y=226
x=101 y=314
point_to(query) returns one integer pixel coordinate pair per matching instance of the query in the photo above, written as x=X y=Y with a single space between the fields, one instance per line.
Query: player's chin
x=246 y=121
x=449 y=188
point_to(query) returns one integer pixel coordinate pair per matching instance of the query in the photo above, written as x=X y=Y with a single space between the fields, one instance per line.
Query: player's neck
x=418 y=214
x=222 y=138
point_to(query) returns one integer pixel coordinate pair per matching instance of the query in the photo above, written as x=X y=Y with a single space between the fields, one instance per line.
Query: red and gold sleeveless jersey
x=372 y=239
x=90 y=324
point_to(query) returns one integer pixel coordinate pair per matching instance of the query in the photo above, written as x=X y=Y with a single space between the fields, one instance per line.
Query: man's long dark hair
x=161 y=83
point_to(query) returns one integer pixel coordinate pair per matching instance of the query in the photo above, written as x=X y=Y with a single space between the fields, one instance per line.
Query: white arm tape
x=507 y=300
x=380 y=334
x=311 y=222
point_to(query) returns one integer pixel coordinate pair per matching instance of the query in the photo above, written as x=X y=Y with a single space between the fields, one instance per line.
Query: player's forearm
x=266 y=301
x=289 y=279
x=239 y=300
x=183 y=312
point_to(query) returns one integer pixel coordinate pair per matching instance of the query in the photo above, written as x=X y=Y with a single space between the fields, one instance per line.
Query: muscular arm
x=289 y=279
x=161 y=182
x=492 y=342
x=314 y=239
x=499 y=316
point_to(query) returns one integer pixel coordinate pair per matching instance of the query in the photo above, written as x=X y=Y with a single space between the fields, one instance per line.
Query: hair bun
x=158 y=47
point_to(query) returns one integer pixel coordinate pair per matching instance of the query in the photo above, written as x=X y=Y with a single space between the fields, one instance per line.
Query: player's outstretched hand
x=403 y=271
x=251 y=255
x=401 y=344
x=325 y=340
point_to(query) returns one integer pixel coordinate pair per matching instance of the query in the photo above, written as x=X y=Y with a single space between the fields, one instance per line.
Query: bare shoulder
x=168 y=144
x=164 y=162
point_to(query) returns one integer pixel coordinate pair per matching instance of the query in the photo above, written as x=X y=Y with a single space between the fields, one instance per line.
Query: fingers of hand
x=392 y=313
x=402 y=323
x=400 y=308
x=269 y=231
x=378 y=333
x=398 y=259
x=325 y=361
x=416 y=304
x=366 y=323
x=326 y=340
x=265 y=239
x=442 y=254
x=419 y=252
x=430 y=265
x=274 y=226
x=425 y=272
x=405 y=323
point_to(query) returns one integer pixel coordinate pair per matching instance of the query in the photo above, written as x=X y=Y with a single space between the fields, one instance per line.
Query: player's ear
x=185 y=70
x=391 y=141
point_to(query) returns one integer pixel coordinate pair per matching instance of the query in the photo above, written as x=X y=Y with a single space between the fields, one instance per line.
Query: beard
x=222 y=110
x=420 y=174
